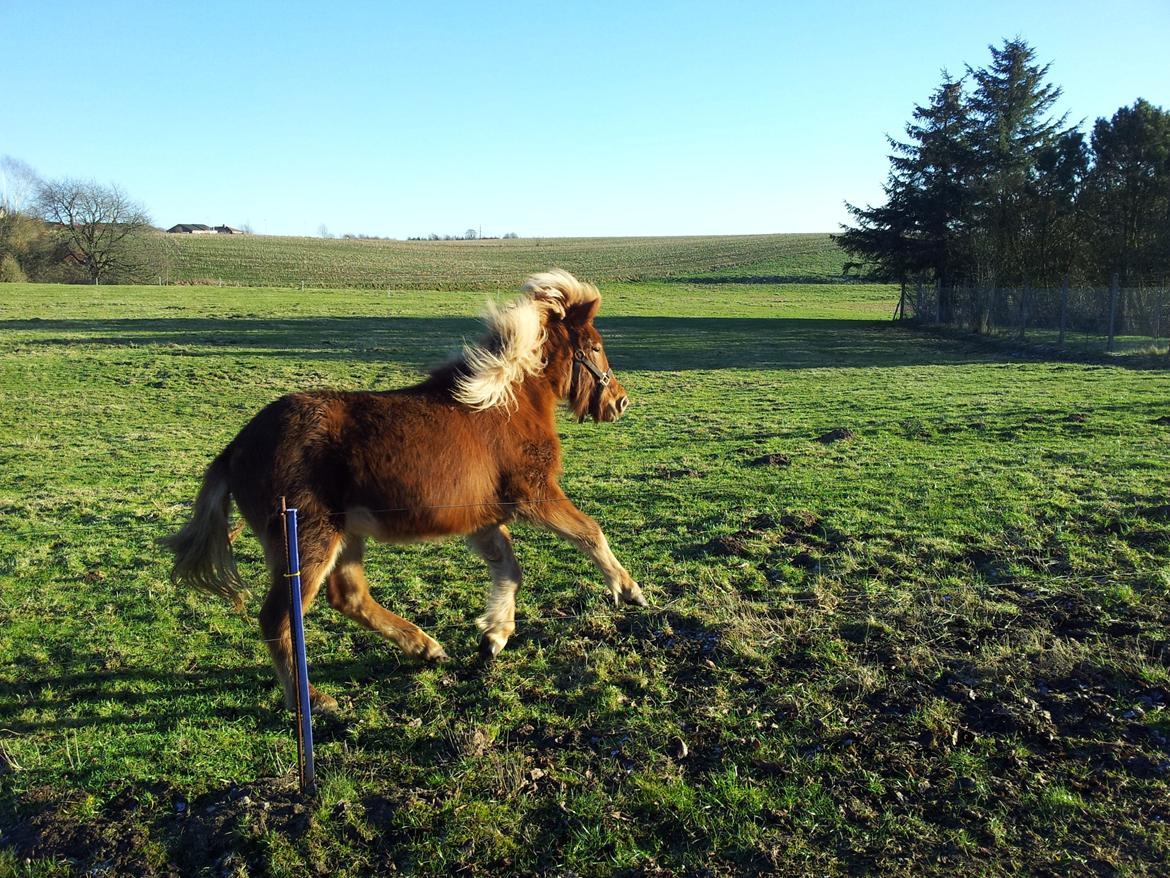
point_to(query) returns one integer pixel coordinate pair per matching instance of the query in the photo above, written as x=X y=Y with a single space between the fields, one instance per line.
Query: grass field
x=939 y=646
x=249 y=260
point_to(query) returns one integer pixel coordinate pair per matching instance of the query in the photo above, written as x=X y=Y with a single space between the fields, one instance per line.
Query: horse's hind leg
x=319 y=548
x=349 y=592
x=494 y=545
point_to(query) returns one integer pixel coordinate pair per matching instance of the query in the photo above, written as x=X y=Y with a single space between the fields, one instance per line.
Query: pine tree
x=1128 y=193
x=920 y=230
x=1011 y=129
x=1054 y=234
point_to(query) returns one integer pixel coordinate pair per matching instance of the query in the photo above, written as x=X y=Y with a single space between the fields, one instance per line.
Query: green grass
x=262 y=260
x=939 y=647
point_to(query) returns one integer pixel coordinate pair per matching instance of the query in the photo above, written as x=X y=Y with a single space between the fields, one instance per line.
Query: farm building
x=201 y=229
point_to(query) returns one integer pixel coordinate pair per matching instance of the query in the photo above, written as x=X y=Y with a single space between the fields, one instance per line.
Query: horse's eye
x=597 y=349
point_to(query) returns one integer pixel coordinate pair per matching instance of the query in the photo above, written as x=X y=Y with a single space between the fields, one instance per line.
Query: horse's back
x=374 y=455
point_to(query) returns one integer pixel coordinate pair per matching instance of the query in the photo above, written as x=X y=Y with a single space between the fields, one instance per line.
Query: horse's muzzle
x=616 y=407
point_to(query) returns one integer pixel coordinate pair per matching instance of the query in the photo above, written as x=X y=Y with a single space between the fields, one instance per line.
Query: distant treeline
x=990 y=191
x=469 y=235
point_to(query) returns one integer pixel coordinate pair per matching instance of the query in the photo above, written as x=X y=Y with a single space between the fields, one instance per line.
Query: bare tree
x=20 y=234
x=18 y=185
x=100 y=225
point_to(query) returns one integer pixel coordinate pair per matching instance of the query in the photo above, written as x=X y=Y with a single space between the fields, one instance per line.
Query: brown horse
x=462 y=453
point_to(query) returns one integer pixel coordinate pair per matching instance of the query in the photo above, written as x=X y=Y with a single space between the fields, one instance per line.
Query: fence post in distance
x=1063 y=310
x=1112 y=311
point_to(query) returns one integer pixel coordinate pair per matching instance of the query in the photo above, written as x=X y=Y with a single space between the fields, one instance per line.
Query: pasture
x=936 y=646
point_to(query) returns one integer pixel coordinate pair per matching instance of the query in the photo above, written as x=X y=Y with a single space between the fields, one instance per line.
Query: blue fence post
x=304 y=727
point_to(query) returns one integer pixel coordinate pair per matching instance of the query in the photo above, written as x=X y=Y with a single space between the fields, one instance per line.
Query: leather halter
x=602 y=378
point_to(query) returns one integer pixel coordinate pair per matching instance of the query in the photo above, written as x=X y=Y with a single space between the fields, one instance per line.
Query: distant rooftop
x=201 y=229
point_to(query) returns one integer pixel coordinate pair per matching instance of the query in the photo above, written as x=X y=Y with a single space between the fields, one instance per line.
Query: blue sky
x=544 y=119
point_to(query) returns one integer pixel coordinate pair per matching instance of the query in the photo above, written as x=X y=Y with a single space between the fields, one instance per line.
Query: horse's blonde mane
x=513 y=348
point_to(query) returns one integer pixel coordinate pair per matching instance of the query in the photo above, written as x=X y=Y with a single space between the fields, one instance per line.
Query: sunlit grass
x=938 y=646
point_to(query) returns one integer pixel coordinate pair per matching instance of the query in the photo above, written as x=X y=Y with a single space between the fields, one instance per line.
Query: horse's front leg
x=494 y=545
x=558 y=513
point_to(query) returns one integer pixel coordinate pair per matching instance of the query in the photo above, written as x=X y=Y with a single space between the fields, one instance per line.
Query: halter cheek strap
x=601 y=377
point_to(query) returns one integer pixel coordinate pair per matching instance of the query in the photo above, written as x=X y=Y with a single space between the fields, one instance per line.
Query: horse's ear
x=583 y=312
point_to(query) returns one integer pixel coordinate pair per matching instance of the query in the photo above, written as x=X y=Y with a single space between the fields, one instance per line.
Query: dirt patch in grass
x=730 y=545
x=775 y=459
x=46 y=826
x=838 y=435
x=782 y=548
x=115 y=839
x=763 y=533
x=1156 y=513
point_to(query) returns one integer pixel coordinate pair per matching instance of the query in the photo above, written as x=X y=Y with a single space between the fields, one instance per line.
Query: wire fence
x=1111 y=318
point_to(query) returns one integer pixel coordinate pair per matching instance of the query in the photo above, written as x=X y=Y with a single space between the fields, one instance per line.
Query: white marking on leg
x=498 y=621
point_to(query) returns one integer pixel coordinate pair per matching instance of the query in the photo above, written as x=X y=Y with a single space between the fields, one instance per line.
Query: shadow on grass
x=160 y=700
x=751 y=279
x=635 y=343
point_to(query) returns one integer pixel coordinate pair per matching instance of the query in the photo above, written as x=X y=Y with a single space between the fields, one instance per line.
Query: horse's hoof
x=319 y=702
x=491 y=644
x=633 y=597
x=489 y=648
x=436 y=655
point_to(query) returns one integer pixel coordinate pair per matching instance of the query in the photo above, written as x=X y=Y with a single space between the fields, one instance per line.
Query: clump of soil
x=1156 y=513
x=801 y=529
x=50 y=829
x=200 y=833
x=726 y=546
x=776 y=459
x=838 y=435
x=763 y=521
x=801 y=521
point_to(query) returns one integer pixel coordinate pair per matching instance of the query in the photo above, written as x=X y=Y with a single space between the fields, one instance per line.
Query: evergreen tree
x=881 y=239
x=1128 y=193
x=920 y=230
x=1009 y=108
x=1054 y=235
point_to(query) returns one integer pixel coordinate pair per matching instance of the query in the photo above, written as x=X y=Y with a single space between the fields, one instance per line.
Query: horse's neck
x=537 y=396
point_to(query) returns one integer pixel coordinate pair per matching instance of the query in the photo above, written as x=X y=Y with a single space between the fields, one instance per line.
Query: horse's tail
x=202 y=547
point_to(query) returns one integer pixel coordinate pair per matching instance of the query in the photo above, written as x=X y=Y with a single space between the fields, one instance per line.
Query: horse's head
x=547 y=333
x=593 y=388
x=574 y=353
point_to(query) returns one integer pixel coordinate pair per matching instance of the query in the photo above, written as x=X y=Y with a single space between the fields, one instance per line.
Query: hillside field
x=263 y=260
x=938 y=646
